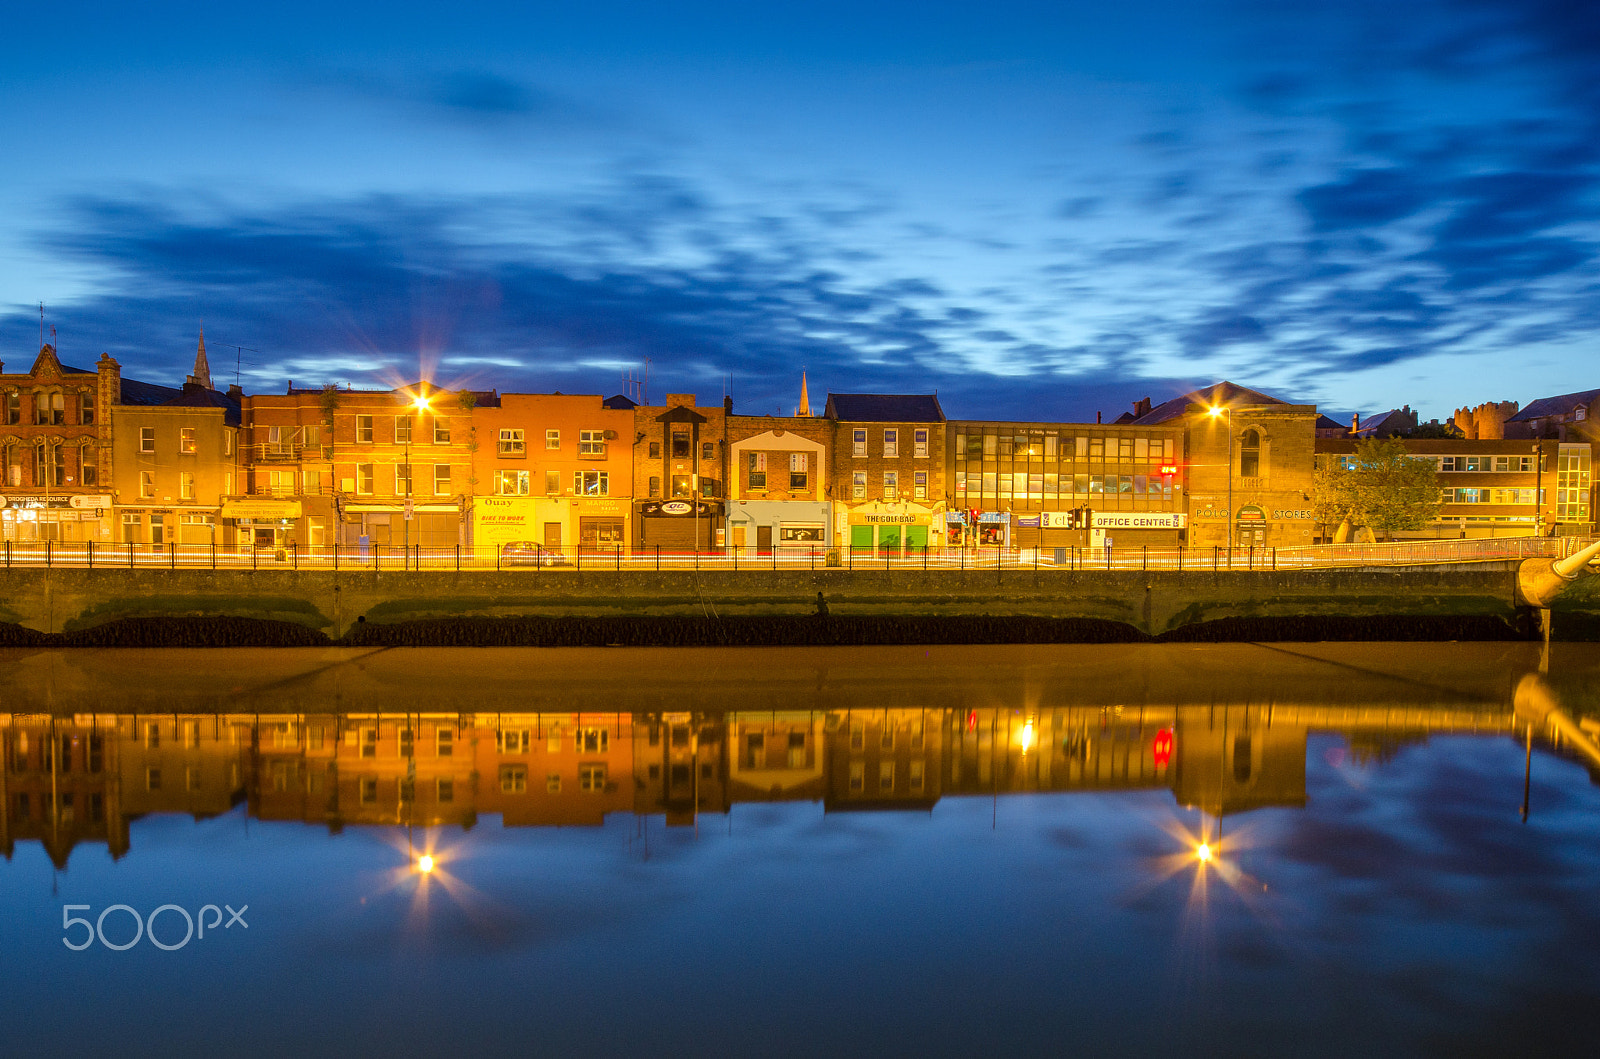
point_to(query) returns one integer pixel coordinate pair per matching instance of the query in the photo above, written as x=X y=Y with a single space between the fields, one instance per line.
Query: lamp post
x=1216 y=412
x=419 y=405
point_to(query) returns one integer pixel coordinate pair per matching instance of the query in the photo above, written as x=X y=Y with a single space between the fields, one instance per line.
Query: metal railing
x=536 y=558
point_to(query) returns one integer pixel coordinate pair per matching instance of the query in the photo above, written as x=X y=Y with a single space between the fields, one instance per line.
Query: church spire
x=805 y=400
x=202 y=370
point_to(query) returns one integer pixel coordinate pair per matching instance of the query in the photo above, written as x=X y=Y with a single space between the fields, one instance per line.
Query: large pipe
x=1540 y=581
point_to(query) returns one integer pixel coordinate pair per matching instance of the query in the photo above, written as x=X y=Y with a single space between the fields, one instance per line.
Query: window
x=920 y=488
x=552 y=783
x=147 y=439
x=655 y=485
x=758 y=470
x=512 y=741
x=858 y=443
x=13 y=408
x=919 y=444
x=592 y=740
x=655 y=450
x=363 y=430
x=186 y=485
x=445 y=741
x=916 y=775
x=552 y=483
x=891 y=444
x=512 y=483
x=364 y=479
x=592 y=778
x=511 y=443
x=88 y=471
x=407 y=742
x=513 y=779
x=441 y=479
x=441 y=430
x=1097 y=448
x=50 y=409
x=402 y=430
x=402 y=479
x=552 y=440
x=312 y=435
x=857 y=774
x=147 y=485
x=858 y=485
x=797 y=470
x=891 y=484
x=886 y=776
x=369 y=791
x=1250 y=455
x=886 y=738
x=708 y=451
x=186 y=442
x=86 y=407
x=592 y=444
x=445 y=790
x=591 y=483
x=680 y=485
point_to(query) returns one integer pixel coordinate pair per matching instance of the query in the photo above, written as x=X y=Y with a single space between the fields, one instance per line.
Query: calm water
x=794 y=852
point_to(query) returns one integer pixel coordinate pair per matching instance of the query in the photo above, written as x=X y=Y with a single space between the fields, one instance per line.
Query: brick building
x=680 y=462
x=779 y=482
x=889 y=489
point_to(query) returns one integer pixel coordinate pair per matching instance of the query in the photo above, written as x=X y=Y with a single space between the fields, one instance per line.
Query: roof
x=1555 y=406
x=1324 y=423
x=619 y=403
x=1394 y=421
x=1218 y=393
x=136 y=392
x=884 y=408
x=193 y=395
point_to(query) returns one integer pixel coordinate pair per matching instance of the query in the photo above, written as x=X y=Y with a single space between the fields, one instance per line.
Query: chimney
x=1097 y=417
x=1355 y=422
x=235 y=391
x=1141 y=407
x=727 y=405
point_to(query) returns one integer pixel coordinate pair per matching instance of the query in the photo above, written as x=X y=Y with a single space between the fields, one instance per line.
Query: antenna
x=238 y=356
x=41 y=325
x=645 y=393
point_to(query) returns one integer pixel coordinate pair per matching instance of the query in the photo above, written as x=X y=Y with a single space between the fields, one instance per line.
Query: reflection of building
x=66 y=781
x=552 y=471
x=59 y=786
x=884 y=759
x=888 y=471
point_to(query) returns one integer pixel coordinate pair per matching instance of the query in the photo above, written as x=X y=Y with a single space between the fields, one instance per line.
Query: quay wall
x=333 y=603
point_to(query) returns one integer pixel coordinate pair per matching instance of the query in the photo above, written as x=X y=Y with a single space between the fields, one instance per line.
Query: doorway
x=763 y=540
x=552 y=535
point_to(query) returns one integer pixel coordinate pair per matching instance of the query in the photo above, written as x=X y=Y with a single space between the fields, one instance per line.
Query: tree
x=1380 y=486
x=329 y=401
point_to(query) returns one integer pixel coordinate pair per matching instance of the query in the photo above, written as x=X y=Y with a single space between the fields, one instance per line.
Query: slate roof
x=193 y=395
x=884 y=408
x=136 y=392
x=619 y=403
x=1554 y=406
x=1394 y=421
x=1324 y=423
x=1225 y=393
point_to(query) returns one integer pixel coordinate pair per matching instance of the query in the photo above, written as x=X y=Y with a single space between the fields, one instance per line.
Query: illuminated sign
x=1140 y=520
x=1168 y=469
x=675 y=507
x=1162 y=748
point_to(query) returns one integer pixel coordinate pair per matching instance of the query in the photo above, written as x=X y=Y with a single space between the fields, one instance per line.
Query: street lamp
x=1217 y=411
x=419 y=405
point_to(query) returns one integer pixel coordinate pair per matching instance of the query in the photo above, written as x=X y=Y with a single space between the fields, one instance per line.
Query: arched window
x=1250 y=455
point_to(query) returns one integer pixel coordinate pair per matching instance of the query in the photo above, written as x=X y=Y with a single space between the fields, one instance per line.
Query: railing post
x=253 y=552
x=578 y=556
x=213 y=555
x=336 y=549
x=47 y=555
x=658 y=558
x=619 y=558
x=130 y=555
x=8 y=555
x=1108 y=557
x=1215 y=549
x=1145 y=556
x=458 y=557
x=90 y=552
x=1274 y=558
x=294 y=558
x=172 y=555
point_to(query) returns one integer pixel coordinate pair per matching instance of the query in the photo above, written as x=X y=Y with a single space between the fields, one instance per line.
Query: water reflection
x=81 y=779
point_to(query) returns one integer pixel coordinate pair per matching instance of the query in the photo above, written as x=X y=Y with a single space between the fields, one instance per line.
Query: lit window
x=512 y=483
x=708 y=451
x=186 y=443
x=552 y=440
x=511 y=443
x=758 y=470
x=592 y=444
x=591 y=483
x=891 y=484
x=921 y=485
x=858 y=485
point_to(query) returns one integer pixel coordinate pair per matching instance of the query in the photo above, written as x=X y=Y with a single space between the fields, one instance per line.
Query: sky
x=1036 y=210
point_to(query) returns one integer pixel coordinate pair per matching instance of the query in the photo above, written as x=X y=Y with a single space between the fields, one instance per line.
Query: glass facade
x=1037 y=468
x=1572 y=484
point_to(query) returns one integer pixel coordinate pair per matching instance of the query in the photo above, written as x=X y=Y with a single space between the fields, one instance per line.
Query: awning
x=253 y=509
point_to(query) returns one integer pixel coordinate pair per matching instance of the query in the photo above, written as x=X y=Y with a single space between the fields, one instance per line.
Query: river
x=1240 y=849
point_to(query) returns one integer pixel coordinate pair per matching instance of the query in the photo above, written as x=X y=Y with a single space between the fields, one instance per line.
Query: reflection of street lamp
x=419 y=405
x=1216 y=412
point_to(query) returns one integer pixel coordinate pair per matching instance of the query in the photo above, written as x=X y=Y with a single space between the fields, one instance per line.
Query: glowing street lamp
x=1216 y=412
x=425 y=863
x=419 y=405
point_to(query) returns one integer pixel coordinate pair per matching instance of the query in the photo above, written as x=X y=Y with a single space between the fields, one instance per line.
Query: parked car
x=529 y=553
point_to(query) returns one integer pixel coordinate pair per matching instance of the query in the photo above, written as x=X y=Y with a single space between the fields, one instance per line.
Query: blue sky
x=1041 y=210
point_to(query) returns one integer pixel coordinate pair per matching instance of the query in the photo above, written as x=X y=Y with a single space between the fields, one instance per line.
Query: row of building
x=65 y=781
x=91 y=456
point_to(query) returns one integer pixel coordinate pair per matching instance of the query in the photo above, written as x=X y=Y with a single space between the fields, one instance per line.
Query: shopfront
x=978 y=529
x=601 y=523
x=756 y=526
x=682 y=525
x=259 y=523
x=1135 y=529
x=75 y=519
x=893 y=528
x=430 y=526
